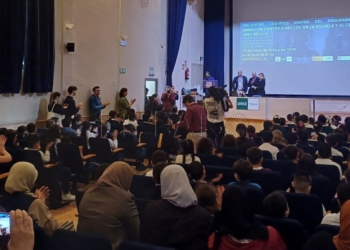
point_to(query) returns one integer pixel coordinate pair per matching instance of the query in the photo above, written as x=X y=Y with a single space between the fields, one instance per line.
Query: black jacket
x=251 y=83
x=56 y=108
x=260 y=90
x=72 y=108
x=235 y=83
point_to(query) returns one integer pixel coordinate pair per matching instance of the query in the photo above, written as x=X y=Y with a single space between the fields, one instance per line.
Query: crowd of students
x=189 y=211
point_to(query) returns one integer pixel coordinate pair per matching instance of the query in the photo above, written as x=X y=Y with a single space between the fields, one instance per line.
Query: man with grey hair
x=252 y=81
x=240 y=84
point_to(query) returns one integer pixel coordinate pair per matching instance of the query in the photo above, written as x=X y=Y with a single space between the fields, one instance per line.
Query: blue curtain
x=176 y=19
x=39 y=50
x=12 y=38
x=214 y=38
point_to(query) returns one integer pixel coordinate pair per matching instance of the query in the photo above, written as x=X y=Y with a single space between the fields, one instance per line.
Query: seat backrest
x=127 y=141
x=331 y=172
x=128 y=245
x=140 y=184
x=308 y=149
x=230 y=160
x=306 y=208
x=333 y=230
x=67 y=240
x=284 y=168
x=151 y=140
x=80 y=141
x=102 y=149
x=267 y=155
x=34 y=157
x=227 y=151
x=70 y=157
x=256 y=197
x=291 y=231
x=339 y=160
x=313 y=143
x=322 y=187
x=268 y=180
x=213 y=171
x=213 y=160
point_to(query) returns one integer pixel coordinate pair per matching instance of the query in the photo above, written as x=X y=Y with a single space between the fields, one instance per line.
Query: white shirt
x=149 y=173
x=134 y=123
x=336 y=152
x=272 y=149
x=307 y=125
x=113 y=144
x=331 y=219
x=329 y=162
x=44 y=157
x=188 y=160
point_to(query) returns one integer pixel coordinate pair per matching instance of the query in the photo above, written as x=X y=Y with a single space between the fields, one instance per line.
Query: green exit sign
x=122 y=70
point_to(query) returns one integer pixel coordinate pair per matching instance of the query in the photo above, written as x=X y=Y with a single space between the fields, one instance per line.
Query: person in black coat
x=252 y=81
x=259 y=87
x=240 y=82
x=72 y=109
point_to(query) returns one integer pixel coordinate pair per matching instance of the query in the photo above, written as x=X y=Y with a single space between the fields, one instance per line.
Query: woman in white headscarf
x=176 y=221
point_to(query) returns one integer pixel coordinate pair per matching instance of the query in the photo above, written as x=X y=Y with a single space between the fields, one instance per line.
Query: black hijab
x=238 y=216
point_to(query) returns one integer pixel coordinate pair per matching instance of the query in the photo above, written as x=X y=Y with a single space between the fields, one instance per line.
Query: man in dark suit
x=252 y=81
x=240 y=84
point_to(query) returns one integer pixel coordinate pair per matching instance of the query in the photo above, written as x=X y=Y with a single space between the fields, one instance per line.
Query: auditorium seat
x=213 y=160
x=151 y=141
x=306 y=208
x=308 y=149
x=68 y=240
x=101 y=148
x=230 y=160
x=213 y=171
x=291 y=231
x=140 y=184
x=284 y=168
x=267 y=155
x=331 y=172
x=131 y=148
x=333 y=230
x=269 y=181
x=128 y=245
x=335 y=206
x=227 y=151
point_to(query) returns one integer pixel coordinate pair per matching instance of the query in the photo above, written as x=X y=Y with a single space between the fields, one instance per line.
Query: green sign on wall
x=242 y=104
x=122 y=70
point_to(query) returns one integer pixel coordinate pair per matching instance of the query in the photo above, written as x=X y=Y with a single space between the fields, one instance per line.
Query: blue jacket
x=95 y=105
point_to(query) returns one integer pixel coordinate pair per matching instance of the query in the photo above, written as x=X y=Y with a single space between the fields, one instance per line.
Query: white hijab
x=176 y=187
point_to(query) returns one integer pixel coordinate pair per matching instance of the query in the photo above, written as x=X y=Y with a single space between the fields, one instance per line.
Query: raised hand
x=65 y=106
x=22 y=232
x=219 y=191
x=106 y=104
x=42 y=193
x=80 y=105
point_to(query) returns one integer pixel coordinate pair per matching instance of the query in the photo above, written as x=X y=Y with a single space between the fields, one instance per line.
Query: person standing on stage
x=240 y=84
x=72 y=109
x=252 y=81
x=208 y=77
x=259 y=87
x=168 y=99
x=195 y=120
x=96 y=104
x=215 y=117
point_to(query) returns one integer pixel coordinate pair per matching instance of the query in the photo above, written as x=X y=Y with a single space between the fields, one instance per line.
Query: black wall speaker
x=70 y=47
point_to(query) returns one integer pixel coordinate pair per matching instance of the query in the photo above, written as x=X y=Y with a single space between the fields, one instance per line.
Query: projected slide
x=308 y=41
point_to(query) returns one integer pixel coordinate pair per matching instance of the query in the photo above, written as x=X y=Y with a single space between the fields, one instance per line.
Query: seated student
x=324 y=157
x=266 y=146
x=307 y=163
x=154 y=193
x=276 y=206
x=31 y=128
x=94 y=121
x=114 y=122
x=197 y=173
x=242 y=138
x=19 y=186
x=239 y=229
x=318 y=135
x=210 y=197
x=305 y=119
x=268 y=126
x=67 y=130
x=33 y=143
x=303 y=136
x=255 y=157
x=283 y=122
x=290 y=119
x=252 y=135
x=176 y=215
x=187 y=150
x=276 y=123
x=229 y=141
x=292 y=139
x=336 y=121
x=332 y=140
x=146 y=119
x=205 y=146
x=159 y=156
x=302 y=184
x=12 y=144
x=291 y=153
x=277 y=140
x=21 y=133
x=4 y=155
x=131 y=120
x=86 y=131
x=103 y=134
x=77 y=123
x=242 y=171
x=109 y=208
x=311 y=121
x=174 y=116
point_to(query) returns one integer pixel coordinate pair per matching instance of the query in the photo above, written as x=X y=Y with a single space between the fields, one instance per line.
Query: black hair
x=102 y=131
x=289 y=117
x=243 y=169
x=53 y=133
x=324 y=150
x=157 y=171
x=146 y=89
x=332 y=140
x=307 y=163
x=318 y=127
x=146 y=117
x=66 y=139
x=159 y=156
x=229 y=141
x=32 y=139
x=112 y=114
x=188 y=98
x=276 y=119
x=304 y=118
x=94 y=88
x=291 y=152
x=205 y=146
x=291 y=138
x=241 y=130
x=268 y=125
x=296 y=114
x=206 y=196
x=10 y=138
x=21 y=130
x=187 y=147
x=2 y=131
x=302 y=180
x=212 y=92
x=85 y=127
x=131 y=116
x=283 y=121
x=251 y=129
x=298 y=119
x=196 y=170
x=267 y=136
x=31 y=127
x=254 y=155
x=275 y=205
x=322 y=119
x=303 y=135
x=122 y=91
x=174 y=109
x=77 y=118
x=71 y=89
x=311 y=120
x=343 y=193
x=66 y=122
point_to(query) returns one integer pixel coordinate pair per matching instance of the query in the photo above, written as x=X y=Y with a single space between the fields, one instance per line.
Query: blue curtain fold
x=39 y=50
x=176 y=19
x=214 y=39
x=12 y=40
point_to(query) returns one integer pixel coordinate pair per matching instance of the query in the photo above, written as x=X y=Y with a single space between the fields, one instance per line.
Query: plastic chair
x=128 y=245
x=67 y=240
x=291 y=231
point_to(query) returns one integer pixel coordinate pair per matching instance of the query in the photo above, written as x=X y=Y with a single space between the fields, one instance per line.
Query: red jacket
x=168 y=101
x=195 y=118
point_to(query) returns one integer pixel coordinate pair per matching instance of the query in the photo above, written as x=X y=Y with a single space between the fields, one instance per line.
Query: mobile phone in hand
x=5 y=224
